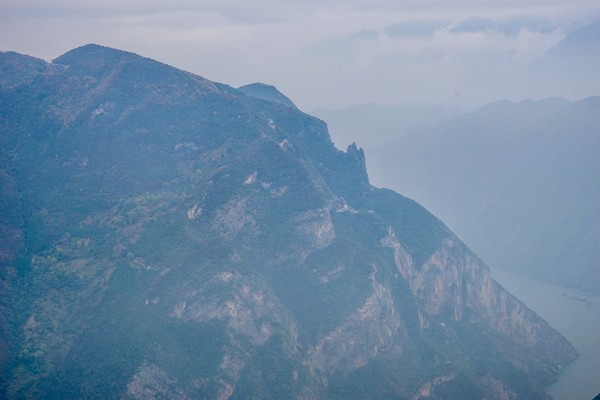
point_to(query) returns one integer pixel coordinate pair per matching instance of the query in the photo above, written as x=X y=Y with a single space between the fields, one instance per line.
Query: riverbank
x=576 y=315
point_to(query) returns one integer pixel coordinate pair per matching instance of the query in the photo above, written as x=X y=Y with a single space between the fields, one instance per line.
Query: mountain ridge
x=182 y=238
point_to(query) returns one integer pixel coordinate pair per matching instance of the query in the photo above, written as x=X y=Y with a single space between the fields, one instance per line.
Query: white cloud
x=319 y=53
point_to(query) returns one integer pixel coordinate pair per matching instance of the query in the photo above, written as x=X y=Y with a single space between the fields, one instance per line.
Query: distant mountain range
x=166 y=236
x=372 y=125
x=518 y=181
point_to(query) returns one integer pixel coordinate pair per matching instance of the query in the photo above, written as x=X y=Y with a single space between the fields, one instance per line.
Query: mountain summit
x=266 y=92
x=165 y=236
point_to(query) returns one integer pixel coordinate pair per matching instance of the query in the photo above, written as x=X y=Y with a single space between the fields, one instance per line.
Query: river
x=576 y=319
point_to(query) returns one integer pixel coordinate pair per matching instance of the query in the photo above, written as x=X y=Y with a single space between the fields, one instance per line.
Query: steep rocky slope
x=517 y=181
x=172 y=237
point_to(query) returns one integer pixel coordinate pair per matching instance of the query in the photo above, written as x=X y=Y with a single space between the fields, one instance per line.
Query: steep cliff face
x=185 y=240
x=453 y=283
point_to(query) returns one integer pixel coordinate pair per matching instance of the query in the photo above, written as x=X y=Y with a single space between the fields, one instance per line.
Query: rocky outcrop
x=454 y=284
x=373 y=328
x=150 y=382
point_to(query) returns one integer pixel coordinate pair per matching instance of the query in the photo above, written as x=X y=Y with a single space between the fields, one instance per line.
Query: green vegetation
x=173 y=237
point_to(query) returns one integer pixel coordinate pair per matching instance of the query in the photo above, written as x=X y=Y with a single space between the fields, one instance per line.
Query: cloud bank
x=334 y=53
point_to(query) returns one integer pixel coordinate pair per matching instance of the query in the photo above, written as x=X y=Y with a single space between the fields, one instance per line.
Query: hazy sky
x=330 y=53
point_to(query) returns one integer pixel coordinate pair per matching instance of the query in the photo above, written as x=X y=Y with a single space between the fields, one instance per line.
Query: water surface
x=576 y=315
